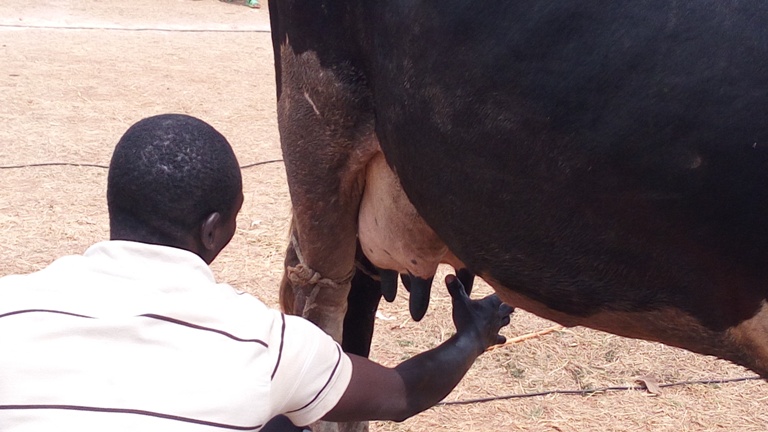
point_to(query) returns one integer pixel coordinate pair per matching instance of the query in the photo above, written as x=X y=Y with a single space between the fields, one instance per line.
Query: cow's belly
x=745 y=343
x=392 y=234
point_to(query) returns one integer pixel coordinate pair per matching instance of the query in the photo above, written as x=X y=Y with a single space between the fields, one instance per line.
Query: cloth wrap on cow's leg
x=324 y=302
x=320 y=300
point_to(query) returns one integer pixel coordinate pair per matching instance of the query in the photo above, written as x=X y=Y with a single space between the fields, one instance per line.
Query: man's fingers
x=493 y=301
x=506 y=309
x=455 y=288
x=505 y=320
x=496 y=300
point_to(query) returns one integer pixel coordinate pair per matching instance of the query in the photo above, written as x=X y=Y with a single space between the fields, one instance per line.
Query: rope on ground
x=137 y=29
x=645 y=383
x=89 y=165
x=261 y=163
x=587 y=392
x=46 y=164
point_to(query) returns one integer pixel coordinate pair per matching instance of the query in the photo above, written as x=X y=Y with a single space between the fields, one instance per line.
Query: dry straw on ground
x=67 y=97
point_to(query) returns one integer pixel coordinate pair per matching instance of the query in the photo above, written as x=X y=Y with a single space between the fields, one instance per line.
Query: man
x=135 y=334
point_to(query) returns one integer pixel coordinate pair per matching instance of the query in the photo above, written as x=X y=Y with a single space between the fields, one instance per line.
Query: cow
x=600 y=164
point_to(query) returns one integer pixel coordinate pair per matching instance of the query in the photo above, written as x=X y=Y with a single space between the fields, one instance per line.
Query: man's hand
x=480 y=320
x=423 y=380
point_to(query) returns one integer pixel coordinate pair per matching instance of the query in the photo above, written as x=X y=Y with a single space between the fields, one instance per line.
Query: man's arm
x=376 y=392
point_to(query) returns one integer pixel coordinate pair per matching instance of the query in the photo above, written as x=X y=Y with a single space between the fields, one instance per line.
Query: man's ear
x=208 y=231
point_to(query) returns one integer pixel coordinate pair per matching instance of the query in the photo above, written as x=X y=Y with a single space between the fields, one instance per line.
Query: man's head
x=174 y=180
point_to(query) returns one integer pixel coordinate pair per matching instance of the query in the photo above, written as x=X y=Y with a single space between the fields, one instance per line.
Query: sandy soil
x=75 y=74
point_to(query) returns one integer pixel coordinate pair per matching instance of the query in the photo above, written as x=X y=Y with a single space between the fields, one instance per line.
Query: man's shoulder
x=303 y=325
x=55 y=269
x=230 y=309
x=40 y=289
x=307 y=338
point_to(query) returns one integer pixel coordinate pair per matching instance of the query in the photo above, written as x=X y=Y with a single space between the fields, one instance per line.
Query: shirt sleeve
x=311 y=374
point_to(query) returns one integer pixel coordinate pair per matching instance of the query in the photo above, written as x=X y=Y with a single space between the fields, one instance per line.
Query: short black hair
x=167 y=174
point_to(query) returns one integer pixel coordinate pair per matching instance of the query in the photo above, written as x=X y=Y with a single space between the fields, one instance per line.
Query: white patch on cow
x=314 y=107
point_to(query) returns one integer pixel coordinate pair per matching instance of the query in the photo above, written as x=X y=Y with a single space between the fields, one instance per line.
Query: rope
x=89 y=165
x=261 y=163
x=54 y=164
x=137 y=29
x=597 y=390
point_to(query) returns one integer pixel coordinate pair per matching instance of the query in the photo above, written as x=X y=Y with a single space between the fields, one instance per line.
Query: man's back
x=132 y=336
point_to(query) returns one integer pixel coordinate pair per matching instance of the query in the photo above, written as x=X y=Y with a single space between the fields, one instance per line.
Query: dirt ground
x=75 y=74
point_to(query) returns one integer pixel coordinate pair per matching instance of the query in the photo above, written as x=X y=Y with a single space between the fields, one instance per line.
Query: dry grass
x=68 y=96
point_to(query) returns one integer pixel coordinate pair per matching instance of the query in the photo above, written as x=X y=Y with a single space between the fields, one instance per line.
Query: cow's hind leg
x=325 y=119
x=326 y=131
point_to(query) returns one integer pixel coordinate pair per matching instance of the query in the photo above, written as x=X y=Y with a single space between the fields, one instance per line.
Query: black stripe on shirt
x=43 y=310
x=280 y=352
x=130 y=411
x=152 y=316
x=199 y=327
x=333 y=373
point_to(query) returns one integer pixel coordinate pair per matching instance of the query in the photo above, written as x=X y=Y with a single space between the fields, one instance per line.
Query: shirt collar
x=137 y=260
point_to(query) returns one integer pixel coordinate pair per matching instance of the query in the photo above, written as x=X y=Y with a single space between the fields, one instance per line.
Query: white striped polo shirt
x=138 y=337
